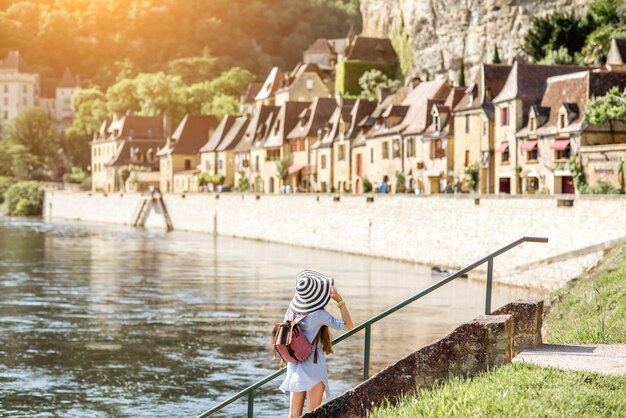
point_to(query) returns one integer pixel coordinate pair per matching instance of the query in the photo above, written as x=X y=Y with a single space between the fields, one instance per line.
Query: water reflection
x=107 y=321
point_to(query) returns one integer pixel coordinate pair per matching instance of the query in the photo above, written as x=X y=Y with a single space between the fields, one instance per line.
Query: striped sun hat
x=312 y=292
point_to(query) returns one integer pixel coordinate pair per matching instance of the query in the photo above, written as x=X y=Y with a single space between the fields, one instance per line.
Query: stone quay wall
x=446 y=230
x=482 y=344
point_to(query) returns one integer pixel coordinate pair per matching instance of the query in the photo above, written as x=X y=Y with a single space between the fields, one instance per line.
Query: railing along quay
x=367 y=325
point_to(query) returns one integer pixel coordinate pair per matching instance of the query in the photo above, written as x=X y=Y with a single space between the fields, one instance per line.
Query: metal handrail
x=249 y=391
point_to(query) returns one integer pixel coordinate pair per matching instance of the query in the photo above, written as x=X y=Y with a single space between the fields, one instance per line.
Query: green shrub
x=471 y=176
x=243 y=185
x=5 y=183
x=24 y=198
x=76 y=175
x=602 y=187
x=348 y=73
x=400 y=186
x=367 y=185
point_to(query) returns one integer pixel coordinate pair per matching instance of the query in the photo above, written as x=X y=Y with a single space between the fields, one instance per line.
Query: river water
x=105 y=321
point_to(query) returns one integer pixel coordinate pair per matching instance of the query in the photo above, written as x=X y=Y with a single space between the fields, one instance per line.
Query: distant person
x=382 y=188
x=282 y=188
x=309 y=379
x=288 y=188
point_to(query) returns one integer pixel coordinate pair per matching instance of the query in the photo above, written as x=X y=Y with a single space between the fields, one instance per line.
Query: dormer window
x=436 y=123
x=532 y=123
x=309 y=84
x=562 y=121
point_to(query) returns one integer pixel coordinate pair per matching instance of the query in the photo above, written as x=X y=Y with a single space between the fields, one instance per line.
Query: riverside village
x=322 y=208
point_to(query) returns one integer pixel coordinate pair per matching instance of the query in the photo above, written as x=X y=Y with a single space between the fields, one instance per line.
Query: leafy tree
x=24 y=198
x=282 y=169
x=603 y=12
x=195 y=69
x=598 y=43
x=232 y=82
x=123 y=96
x=221 y=105
x=372 y=82
x=552 y=32
x=402 y=45
x=608 y=108
x=160 y=93
x=560 y=56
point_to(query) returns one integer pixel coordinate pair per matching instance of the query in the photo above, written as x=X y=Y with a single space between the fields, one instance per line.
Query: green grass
x=517 y=390
x=592 y=309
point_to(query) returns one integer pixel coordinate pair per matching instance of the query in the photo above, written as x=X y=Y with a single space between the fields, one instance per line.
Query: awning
x=503 y=146
x=295 y=168
x=529 y=145
x=560 y=144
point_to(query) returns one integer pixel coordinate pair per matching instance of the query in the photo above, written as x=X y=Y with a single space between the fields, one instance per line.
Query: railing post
x=251 y=404
x=366 y=354
x=489 y=279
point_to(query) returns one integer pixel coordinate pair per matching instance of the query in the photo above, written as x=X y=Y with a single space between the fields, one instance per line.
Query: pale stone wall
x=444 y=230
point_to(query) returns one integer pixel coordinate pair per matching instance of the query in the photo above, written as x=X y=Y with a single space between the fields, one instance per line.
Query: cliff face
x=444 y=33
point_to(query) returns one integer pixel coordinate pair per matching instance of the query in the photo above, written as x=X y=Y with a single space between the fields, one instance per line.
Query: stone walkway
x=605 y=359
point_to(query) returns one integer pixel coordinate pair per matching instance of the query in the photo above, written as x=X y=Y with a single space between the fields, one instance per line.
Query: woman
x=309 y=379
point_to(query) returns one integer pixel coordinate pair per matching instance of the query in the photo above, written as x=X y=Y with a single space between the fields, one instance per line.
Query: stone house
x=439 y=143
x=208 y=152
x=348 y=175
x=126 y=142
x=336 y=126
x=19 y=87
x=303 y=84
x=258 y=155
x=325 y=52
x=275 y=144
x=246 y=164
x=226 y=164
x=309 y=129
x=56 y=98
x=474 y=126
x=556 y=132
x=180 y=156
x=524 y=87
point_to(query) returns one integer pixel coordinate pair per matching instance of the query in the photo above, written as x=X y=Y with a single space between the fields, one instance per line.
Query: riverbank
x=444 y=230
x=590 y=310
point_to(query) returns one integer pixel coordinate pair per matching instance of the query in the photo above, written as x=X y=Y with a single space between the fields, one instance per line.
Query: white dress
x=304 y=375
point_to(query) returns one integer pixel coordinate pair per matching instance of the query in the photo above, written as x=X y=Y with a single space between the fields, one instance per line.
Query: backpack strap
x=314 y=344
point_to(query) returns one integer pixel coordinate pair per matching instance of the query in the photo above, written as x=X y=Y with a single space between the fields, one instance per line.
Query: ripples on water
x=106 y=321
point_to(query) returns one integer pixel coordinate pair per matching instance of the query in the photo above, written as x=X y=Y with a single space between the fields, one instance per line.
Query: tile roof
x=235 y=134
x=68 y=80
x=527 y=82
x=285 y=121
x=123 y=156
x=14 y=63
x=219 y=134
x=137 y=127
x=48 y=87
x=487 y=84
x=420 y=101
x=270 y=85
x=319 y=46
x=360 y=117
x=256 y=128
x=192 y=133
x=251 y=92
x=341 y=117
x=314 y=121
x=371 y=49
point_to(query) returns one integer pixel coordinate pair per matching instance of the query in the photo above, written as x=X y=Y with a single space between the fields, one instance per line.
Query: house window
x=532 y=124
x=396 y=148
x=484 y=128
x=341 y=153
x=256 y=163
x=436 y=149
x=532 y=184
x=187 y=164
x=323 y=162
x=372 y=155
x=410 y=147
x=436 y=123
x=561 y=121
x=533 y=154
x=505 y=155
x=504 y=116
x=309 y=84
x=467 y=158
x=467 y=124
x=385 y=150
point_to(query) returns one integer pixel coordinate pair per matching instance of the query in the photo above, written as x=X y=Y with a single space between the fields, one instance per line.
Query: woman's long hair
x=327 y=345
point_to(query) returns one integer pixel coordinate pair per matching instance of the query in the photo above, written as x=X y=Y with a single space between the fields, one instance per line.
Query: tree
x=496 y=55
x=123 y=96
x=374 y=81
x=160 y=93
x=232 y=82
x=551 y=32
x=221 y=105
x=32 y=138
x=282 y=169
x=195 y=69
x=608 y=108
x=560 y=56
x=598 y=43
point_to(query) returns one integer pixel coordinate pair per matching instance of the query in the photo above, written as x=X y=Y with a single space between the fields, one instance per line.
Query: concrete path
x=605 y=359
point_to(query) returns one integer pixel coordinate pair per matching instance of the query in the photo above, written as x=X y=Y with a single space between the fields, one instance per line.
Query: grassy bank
x=590 y=310
x=518 y=390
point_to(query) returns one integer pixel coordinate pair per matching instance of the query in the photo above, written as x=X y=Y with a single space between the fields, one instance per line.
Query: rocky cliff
x=444 y=33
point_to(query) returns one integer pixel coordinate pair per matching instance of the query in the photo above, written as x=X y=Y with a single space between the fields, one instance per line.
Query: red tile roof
x=487 y=84
x=14 y=63
x=314 y=121
x=235 y=134
x=192 y=133
x=219 y=134
x=285 y=121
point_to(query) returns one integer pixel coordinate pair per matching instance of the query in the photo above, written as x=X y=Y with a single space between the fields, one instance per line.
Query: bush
x=602 y=187
x=400 y=186
x=77 y=176
x=348 y=74
x=24 y=198
x=367 y=185
x=243 y=185
x=5 y=183
x=471 y=176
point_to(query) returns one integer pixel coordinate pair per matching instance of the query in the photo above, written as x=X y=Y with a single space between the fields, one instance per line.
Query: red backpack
x=290 y=343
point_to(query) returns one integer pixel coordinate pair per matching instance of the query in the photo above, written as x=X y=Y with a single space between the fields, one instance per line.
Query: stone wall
x=445 y=33
x=474 y=347
x=450 y=231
